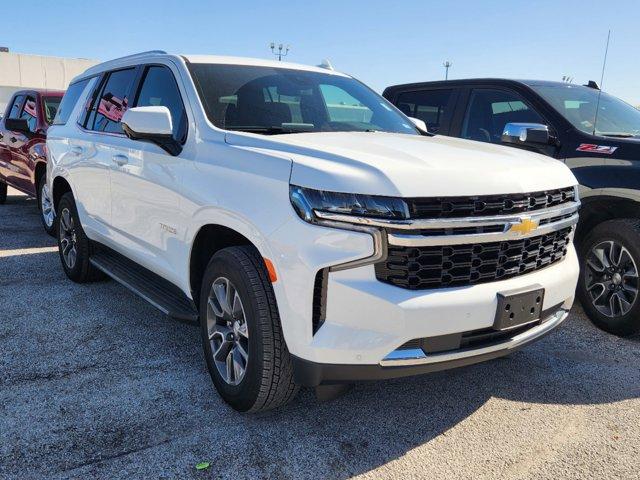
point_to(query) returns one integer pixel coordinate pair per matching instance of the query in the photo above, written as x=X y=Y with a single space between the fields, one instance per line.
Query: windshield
x=50 y=108
x=578 y=105
x=272 y=100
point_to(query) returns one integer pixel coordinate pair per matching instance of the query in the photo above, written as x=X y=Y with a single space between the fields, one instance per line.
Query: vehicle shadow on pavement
x=97 y=383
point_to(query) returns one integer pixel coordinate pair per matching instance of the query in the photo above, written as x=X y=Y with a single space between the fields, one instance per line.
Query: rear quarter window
x=69 y=102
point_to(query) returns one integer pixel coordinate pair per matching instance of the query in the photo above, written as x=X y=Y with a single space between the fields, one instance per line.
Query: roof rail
x=101 y=66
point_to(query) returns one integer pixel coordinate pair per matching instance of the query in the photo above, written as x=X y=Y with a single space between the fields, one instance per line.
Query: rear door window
x=112 y=101
x=433 y=107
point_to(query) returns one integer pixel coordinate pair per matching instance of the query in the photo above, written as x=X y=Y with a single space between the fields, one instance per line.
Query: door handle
x=76 y=150
x=120 y=160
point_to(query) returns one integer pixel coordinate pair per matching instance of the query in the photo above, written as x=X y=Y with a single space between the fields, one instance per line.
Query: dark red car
x=23 y=160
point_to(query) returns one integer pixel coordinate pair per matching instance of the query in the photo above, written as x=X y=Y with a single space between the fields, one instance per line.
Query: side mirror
x=153 y=124
x=17 y=125
x=526 y=134
x=420 y=124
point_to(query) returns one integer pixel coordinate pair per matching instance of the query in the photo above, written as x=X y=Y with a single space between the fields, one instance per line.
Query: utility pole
x=279 y=51
x=447 y=64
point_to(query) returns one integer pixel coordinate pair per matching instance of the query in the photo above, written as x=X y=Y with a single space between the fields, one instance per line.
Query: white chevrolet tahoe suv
x=315 y=233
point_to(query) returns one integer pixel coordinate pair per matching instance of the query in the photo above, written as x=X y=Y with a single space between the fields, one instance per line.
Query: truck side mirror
x=153 y=124
x=527 y=134
x=17 y=125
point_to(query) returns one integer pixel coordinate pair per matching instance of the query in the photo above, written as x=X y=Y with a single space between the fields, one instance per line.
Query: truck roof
x=41 y=91
x=473 y=81
x=217 y=59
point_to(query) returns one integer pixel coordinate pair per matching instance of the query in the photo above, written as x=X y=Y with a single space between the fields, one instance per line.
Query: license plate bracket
x=518 y=307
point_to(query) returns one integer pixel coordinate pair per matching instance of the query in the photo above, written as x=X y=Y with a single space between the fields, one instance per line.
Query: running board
x=160 y=293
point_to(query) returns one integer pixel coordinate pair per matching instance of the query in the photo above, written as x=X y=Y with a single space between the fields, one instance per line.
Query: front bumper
x=366 y=321
x=404 y=363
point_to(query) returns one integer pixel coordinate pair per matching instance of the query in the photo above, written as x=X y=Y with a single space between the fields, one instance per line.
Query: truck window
x=51 y=105
x=490 y=110
x=69 y=102
x=15 y=107
x=159 y=88
x=30 y=113
x=108 y=108
x=431 y=106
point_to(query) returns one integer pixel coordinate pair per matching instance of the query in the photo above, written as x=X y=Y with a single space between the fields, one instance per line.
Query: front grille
x=487 y=205
x=431 y=267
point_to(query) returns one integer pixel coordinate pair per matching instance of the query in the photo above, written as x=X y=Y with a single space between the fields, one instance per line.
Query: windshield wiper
x=616 y=134
x=273 y=130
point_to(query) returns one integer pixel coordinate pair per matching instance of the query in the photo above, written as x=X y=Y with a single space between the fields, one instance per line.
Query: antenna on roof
x=604 y=64
x=326 y=64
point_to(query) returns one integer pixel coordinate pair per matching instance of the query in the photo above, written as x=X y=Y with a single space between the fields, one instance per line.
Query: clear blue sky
x=380 y=42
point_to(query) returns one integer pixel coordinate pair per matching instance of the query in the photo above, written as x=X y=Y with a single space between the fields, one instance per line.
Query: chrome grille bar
x=415 y=232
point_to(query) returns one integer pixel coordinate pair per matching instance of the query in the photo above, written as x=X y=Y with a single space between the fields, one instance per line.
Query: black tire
x=3 y=192
x=268 y=379
x=41 y=185
x=626 y=233
x=81 y=271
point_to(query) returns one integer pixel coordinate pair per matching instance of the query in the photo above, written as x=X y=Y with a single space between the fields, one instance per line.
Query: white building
x=18 y=71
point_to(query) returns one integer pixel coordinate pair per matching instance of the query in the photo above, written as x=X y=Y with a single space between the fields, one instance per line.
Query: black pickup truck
x=596 y=134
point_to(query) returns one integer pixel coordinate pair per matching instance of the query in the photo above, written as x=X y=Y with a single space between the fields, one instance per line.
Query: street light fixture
x=279 y=52
x=447 y=64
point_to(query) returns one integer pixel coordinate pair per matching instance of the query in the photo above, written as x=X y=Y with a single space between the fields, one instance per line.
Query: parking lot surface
x=95 y=383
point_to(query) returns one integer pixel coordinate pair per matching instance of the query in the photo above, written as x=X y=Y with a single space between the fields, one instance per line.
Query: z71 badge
x=592 y=148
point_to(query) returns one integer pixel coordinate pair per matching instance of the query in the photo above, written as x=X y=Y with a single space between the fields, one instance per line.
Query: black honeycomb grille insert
x=419 y=268
x=487 y=205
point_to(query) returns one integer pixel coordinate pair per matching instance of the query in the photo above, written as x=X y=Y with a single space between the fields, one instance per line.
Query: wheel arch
x=41 y=167
x=209 y=239
x=59 y=187
x=600 y=208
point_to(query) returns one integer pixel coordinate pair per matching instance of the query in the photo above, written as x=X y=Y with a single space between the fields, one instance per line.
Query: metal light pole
x=447 y=64
x=279 y=53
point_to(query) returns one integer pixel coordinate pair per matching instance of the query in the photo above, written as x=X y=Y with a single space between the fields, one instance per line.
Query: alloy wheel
x=611 y=278
x=68 y=238
x=46 y=206
x=228 y=331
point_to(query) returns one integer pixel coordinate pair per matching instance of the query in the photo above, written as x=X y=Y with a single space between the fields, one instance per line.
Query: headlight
x=307 y=201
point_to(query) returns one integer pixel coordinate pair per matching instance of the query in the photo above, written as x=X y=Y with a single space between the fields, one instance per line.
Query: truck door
x=6 y=168
x=20 y=145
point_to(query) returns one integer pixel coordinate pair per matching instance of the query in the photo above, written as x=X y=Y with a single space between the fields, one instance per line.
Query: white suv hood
x=410 y=166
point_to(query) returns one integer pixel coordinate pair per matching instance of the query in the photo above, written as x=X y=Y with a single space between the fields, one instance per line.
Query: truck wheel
x=45 y=205
x=73 y=245
x=609 y=276
x=3 y=192
x=243 y=344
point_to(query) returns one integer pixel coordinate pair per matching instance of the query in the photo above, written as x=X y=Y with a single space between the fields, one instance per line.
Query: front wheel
x=245 y=351
x=45 y=205
x=609 y=276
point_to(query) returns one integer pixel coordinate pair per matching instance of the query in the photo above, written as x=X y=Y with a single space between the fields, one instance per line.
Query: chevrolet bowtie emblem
x=525 y=226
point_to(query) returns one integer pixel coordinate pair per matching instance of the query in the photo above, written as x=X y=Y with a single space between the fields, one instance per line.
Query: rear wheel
x=3 y=192
x=245 y=351
x=45 y=205
x=609 y=276
x=74 y=246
